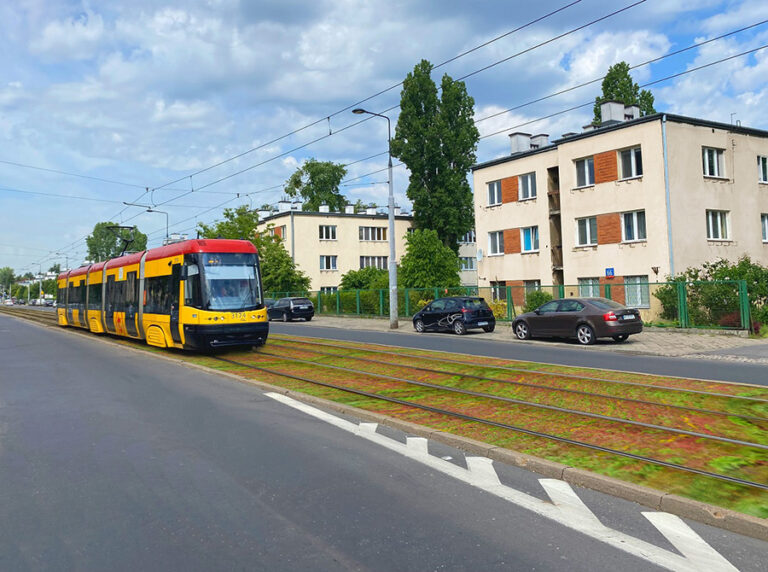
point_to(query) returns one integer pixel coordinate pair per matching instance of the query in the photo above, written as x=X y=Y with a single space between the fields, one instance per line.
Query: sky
x=196 y=106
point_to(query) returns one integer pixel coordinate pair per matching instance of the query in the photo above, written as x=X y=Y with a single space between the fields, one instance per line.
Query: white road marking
x=566 y=507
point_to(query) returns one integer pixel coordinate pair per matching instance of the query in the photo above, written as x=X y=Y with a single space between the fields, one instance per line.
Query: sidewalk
x=693 y=344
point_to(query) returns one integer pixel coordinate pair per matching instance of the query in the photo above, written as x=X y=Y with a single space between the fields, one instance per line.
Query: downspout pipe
x=667 y=197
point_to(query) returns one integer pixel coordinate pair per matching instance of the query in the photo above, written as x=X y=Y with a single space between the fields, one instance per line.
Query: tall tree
x=104 y=242
x=317 y=183
x=6 y=278
x=436 y=138
x=428 y=262
x=55 y=268
x=619 y=86
x=278 y=270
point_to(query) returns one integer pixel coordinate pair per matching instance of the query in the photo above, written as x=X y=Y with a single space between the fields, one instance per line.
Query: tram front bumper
x=223 y=335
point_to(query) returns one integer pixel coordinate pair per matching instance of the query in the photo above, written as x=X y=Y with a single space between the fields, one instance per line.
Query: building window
x=585 y=172
x=375 y=261
x=527 y=186
x=328 y=289
x=328 y=262
x=498 y=290
x=278 y=231
x=637 y=291
x=529 y=238
x=589 y=287
x=586 y=231
x=468 y=238
x=762 y=169
x=634 y=226
x=717 y=225
x=712 y=162
x=496 y=242
x=327 y=232
x=531 y=286
x=368 y=233
x=494 y=193
x=631 y=163
x=467 y=263
x=764 y=224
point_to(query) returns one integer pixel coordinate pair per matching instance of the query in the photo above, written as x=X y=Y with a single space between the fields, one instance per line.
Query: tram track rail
x=489 y=422
x=531 y=385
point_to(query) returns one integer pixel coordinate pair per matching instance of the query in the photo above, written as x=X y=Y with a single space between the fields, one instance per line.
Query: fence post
x=357 y=299
x=608 y=291
x=744 y=304
x=338 y=302
x=561 y=290
x=682 y=305
x=407 y=303
x=381 y=302
x=319 y=309
x=510 y=303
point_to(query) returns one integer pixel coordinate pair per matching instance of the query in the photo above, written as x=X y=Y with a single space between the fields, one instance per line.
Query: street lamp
x=166 y=219
x=391 y=204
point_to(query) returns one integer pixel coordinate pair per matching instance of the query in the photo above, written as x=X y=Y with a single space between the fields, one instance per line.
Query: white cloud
x=74 y=38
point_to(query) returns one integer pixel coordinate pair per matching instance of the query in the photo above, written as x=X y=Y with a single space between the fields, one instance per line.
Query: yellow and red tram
x=194 y=294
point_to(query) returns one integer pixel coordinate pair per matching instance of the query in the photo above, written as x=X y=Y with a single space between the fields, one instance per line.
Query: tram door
x=175 y=290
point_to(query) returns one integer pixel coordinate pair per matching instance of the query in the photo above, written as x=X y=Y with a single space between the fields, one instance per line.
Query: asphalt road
x=110 y=459
x=473 y=343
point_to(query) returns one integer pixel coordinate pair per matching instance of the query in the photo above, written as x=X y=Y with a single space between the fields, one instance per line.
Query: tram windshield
x=231 y=282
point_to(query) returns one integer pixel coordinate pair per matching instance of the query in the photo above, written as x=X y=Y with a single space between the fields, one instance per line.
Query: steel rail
x=523 y=370
x=529 y=404
x=532 y=385
x=502 y=425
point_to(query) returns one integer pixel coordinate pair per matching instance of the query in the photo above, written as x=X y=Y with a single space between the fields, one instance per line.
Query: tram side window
x=116 y=296
x=158 y=289
x=61 y=296
x=131 y=294
x=192 y=294
x=94 y=296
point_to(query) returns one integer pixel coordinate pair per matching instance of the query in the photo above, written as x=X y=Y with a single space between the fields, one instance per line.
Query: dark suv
x=458 y=313
x=286 y=309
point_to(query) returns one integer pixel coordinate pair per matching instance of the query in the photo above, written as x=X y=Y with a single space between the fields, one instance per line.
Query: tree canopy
x=104 y=242
x=6 y=278
x=427 y=262
x=436 y=138
x=369 y=278
x=278 y=270
x=317 y=183
x=619 y=86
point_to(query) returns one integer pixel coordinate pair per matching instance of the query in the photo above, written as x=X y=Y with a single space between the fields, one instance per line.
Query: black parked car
x=458 y=313
x=286 y=309
x=586 y=319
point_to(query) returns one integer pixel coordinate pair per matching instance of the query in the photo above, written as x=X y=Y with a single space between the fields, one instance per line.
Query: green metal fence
x=715 y=304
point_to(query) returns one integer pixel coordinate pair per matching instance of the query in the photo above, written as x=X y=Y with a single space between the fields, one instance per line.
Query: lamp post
x=391 y=209
x=166 y=220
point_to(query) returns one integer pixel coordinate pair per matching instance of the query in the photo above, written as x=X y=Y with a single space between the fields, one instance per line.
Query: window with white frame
x=468 y=238
x=328 y=262
x=764 y=224
x=531 y=286
x=368 y=233
x=586 y=231
x=631 y=161
x=494 y=193
x=527 y=186
x=467 y=263
x=529 y=239
x=328 y=289
x=717 y=225
x=589 y=287
x=712 y=162
x=762 y=169
x=633 y=228
x=496 y=242
x=585 y=172
x=637 y=292
x=327 y=232
x=379 y=262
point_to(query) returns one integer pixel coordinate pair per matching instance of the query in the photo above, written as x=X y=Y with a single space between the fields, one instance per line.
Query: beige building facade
x=325 y=245
x=627 y=203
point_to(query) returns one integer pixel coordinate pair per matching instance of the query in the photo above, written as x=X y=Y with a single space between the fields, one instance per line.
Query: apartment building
x=627 y=203
x=325 y=245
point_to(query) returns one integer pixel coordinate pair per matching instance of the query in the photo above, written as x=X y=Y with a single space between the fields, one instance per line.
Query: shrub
x=535 y=299
x=499 y=309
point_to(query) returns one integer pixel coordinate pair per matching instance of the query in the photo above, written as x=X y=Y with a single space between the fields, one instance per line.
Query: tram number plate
x=240 y=315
